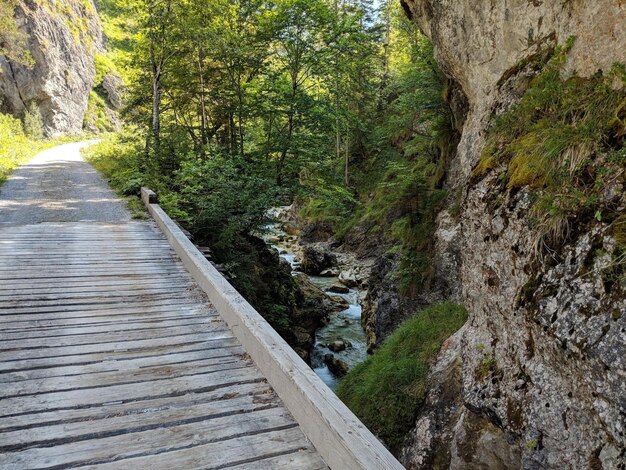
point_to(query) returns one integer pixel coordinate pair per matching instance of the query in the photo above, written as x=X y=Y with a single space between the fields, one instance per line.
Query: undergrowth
x=386 y=390
x=564 y=141
x=17 y=147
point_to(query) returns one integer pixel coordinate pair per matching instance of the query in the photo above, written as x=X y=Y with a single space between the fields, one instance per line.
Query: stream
x=345 y=325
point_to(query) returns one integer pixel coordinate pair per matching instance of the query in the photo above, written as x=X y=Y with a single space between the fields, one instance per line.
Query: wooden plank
x=112 y=345
x=140 y=419
x=129 y=366
x=302 y=459
x=113 y=304
x=60 y=296
x=138 y=316
x=268 y=430
x=256 y=390
x=245 y=450
x=72 y=399
x=88 y=285
x=152 y=350
x=115 y=311
x=151 y=324
x=98 y=380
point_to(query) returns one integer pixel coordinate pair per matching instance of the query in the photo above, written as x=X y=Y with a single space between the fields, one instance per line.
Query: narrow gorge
x=424 y=198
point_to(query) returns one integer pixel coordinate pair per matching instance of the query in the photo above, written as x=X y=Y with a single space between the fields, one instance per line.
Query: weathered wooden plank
x=115 y=305
x=88 y=285
x=140 y=419
x=98 y=380
x=54 y=341
x=112 y=345
x=53 y=298
x=152 y=324
x=29 y=323
x=245 y=450
x=129 y=366
x=256 y=390
x=98 y=316
x=151 y=350
x=72 y=399
x=302 y=459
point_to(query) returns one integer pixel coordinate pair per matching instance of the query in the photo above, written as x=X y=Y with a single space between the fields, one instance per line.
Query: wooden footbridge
x=122 y=347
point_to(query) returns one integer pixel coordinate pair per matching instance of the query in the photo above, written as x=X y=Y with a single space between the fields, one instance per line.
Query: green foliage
x=96 y=117
x=562 y=140
x=16 y=147
x=33 y=124
x=226 y=197
x=386 y=390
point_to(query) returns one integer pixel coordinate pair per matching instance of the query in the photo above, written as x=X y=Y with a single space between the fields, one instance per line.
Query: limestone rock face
x=540 y=365
x=478 y=44
x=63 y=38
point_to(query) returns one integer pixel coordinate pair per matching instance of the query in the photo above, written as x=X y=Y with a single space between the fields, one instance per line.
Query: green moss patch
x=386 y=390
x=564 y=141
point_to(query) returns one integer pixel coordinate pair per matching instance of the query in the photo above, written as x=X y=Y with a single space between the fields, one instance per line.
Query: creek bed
x=345 y=325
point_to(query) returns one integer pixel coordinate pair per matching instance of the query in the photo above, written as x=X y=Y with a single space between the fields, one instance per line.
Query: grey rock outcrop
x=63 y=38
x=539 y=367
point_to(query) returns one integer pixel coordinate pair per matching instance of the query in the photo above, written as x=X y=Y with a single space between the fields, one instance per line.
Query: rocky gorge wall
x=62 y=39
x=537 y=376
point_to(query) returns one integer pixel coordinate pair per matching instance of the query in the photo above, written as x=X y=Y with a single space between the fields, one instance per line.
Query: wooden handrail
x=339 y=436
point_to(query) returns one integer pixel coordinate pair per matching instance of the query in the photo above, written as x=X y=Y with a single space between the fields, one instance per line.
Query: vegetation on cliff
x=564 y=141
x=386 y=390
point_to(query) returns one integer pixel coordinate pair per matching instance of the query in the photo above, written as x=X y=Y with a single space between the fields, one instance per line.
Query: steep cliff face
x=62 y=38
x=537 y=377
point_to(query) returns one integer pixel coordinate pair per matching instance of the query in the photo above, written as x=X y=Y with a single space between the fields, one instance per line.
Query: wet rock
x=316 y=258
x=338 y=367
x=338 y=289
x=348 y=278
x=339 y=345
x=339 y=304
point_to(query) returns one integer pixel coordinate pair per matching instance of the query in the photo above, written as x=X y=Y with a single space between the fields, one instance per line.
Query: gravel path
x=59 y=186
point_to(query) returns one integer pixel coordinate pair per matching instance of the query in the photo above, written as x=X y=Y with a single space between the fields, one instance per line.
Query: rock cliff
x=62 y=39
x=537 y=377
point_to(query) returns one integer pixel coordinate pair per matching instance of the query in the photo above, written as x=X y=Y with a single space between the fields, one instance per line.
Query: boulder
x=339 y=345
x=115 y=88
x=348 y=278
x=316 y=258
x=317 y=232
x=336 y=366
x=338 y=289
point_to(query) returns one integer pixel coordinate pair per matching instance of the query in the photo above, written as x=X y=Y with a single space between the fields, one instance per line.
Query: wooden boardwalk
x=111 y=357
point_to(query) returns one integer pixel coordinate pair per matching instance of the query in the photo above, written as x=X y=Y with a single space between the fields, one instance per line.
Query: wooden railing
x=341 y=439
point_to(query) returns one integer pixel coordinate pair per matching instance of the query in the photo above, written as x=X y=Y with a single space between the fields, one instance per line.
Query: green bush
x=15 y=147
x=386 y=390
x=33 y=124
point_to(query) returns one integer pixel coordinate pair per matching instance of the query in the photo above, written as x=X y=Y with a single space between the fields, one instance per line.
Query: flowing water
x=345 y=325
